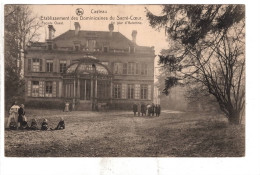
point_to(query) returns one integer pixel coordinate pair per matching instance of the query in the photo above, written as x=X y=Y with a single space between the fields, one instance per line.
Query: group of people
x=150 y=109
x=17 y=120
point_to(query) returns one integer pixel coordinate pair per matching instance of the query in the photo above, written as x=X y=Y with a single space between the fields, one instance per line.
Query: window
x=63 y=65
x=130 y=91
x=105 y=49
x=49 y=65
x=76 y=48
x=37 y=65
x=103 y=89
x=48 y=89
x=49 y=46
x=117 y=90
x=35 y=88
x=117 y=68
x=91 y=45
x=132 y=49
x=144 y=69
x=124 y=68
x=29 y=65
x=131 y=68
x=144 y=91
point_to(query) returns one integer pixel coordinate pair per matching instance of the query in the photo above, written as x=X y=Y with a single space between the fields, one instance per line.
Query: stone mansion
x=90 y=69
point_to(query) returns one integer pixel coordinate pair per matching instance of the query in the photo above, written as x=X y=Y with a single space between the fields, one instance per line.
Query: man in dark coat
x=143 y=109
x=135 y=108
x=21 y=113
x=139 y=108
x=159 y=110
x=156 y=110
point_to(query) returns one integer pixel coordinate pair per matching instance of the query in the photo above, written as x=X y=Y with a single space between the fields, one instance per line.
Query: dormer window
x=49 y=46
x=105 y=49
x=77 y=47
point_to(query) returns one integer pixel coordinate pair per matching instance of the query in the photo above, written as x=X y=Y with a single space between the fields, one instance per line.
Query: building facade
x=90 y=69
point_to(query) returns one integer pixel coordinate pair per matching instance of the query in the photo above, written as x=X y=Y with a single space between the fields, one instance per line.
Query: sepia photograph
x=124 y=80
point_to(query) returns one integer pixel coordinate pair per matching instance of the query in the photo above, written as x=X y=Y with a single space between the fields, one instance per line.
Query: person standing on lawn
x=148 y=107
x=21 y=113
x=143 y=109
x=139 y=108
x=135 y=108
x=152 y=109
x=156 y=110
x=13 y=114
x=159 y=110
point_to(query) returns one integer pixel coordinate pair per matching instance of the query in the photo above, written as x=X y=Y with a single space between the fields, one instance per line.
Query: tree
x=21 y=27
x=207 y=44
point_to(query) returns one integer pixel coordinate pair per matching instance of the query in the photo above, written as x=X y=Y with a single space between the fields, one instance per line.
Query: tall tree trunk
x=234 y=118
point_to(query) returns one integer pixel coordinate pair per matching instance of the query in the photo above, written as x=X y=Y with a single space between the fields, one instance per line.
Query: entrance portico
x=88 y=83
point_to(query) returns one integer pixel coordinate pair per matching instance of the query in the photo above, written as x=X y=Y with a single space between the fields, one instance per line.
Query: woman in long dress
x=13 y=113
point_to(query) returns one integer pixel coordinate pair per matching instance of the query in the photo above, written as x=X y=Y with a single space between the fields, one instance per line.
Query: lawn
x=120 y=134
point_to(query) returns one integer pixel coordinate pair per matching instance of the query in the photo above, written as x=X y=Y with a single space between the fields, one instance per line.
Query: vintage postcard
x=129 y=81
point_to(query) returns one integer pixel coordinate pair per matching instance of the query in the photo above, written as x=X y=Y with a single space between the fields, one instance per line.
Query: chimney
x=51 y=32
x=134 y=33
x=77 y=28
x=111 y=28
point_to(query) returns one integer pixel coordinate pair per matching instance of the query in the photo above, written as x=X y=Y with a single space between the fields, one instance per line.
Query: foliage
x=206 y=48
x=21 y=27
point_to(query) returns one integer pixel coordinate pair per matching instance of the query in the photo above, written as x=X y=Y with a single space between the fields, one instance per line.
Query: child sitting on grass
x=44 y=125
x=34 y=125
x=61 y=124
x=24 y=123
x=13 y=124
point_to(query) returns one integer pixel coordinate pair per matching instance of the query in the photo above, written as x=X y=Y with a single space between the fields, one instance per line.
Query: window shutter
x=54 y=89
x=41 y=89
x=29 y=65
x=40 y=65
x=29 y=88
x=56 y=65
x=60 y=88
x=137 y=68
x=124 y=91
x=112 y=67
x=137 y=91
x=149 y=92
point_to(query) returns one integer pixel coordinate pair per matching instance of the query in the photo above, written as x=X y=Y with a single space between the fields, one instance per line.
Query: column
x=85 y=97
x=111 y=90
x=78 y=89
x=74 y=88
x=91 y=92
x=96 y=87
x=91 y=88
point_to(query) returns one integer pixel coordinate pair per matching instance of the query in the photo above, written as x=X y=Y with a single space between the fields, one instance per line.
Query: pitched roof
x=115 y=41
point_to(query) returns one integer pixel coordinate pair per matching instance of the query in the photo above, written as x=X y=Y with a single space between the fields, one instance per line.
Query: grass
x=120 y=134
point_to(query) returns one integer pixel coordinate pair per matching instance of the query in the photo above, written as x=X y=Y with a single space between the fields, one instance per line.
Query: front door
x=85 y=89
